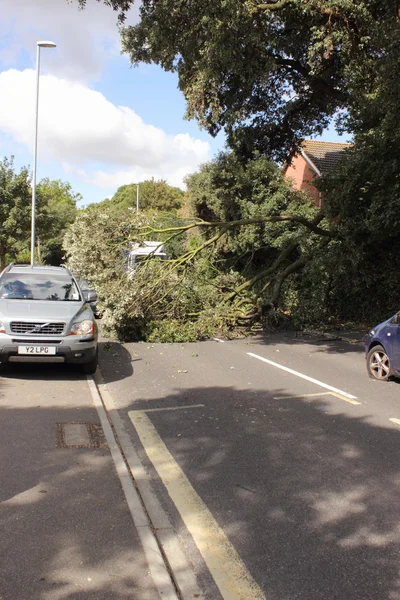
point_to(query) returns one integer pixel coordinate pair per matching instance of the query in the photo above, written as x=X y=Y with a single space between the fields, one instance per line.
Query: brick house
x=313 y=160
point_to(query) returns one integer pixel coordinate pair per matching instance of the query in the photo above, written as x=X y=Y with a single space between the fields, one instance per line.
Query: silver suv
x=45 y=317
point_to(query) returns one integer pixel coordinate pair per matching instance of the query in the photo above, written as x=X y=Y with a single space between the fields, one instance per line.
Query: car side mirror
x=89 y=295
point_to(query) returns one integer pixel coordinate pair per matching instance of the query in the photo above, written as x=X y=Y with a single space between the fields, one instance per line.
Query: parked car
x=45 y=317
x=382 y=349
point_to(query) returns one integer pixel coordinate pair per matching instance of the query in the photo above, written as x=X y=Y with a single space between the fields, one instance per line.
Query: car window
x=38 y=287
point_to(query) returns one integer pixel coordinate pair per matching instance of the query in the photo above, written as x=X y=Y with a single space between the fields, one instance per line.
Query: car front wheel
x=378 y=364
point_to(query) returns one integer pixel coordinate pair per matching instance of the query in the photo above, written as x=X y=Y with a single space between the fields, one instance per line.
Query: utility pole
x=137 y=198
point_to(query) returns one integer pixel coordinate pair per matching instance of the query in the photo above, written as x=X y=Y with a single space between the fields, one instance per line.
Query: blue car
x=382 y=349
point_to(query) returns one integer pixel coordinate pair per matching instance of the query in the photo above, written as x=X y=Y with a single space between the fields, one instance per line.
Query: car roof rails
x=14 y=264
x=19 y=266
x=9 y=267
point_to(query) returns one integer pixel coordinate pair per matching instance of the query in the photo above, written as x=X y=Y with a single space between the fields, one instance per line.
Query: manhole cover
x=80 y=435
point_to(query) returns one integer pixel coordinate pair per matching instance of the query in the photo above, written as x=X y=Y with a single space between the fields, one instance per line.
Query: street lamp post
x=33 y=217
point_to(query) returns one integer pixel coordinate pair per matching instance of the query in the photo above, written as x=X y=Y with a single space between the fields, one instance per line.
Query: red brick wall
x=303 y=177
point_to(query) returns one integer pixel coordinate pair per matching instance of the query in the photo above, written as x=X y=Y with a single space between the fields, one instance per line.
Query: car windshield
x=38 y=286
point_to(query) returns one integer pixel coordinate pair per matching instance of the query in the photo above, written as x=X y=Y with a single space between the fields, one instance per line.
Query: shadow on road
x=307 y=495
x=41 y=372
x=66 y=533
x=115 y=360
x=336 y=343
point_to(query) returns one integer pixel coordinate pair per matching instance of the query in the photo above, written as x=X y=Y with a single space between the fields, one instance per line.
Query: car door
x=391 y=341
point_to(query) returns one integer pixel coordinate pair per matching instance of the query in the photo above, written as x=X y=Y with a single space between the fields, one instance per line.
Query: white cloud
x=99 y=143
x=104 y=180
x=86 y=39
x=80 y=128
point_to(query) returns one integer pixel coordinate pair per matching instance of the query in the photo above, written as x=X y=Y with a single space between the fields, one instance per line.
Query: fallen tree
x=229 y=273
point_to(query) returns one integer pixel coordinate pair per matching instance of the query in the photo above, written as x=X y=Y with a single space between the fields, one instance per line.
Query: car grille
x=25 y=327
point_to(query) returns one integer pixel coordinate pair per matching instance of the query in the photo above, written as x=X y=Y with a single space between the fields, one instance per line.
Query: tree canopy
x=15 y=202
x=55 y=210
x=269 y=73
x=154 y=194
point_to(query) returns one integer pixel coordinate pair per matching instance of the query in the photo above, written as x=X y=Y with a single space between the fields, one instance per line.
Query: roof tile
x=324 y=155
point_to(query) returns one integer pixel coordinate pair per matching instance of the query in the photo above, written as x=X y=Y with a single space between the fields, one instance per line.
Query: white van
x=141 y=250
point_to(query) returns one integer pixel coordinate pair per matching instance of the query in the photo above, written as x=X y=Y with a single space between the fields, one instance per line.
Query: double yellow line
x=231 y=576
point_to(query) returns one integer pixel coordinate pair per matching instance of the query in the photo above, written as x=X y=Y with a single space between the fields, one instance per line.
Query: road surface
x=268 y=467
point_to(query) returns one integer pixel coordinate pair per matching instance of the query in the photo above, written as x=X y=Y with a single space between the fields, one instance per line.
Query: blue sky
x=102 y=123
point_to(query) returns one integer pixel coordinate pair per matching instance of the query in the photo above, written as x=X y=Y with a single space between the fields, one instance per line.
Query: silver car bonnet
x=42 y=309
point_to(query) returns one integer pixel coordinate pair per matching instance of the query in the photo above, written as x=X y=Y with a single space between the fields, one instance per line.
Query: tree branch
x=262 y=274
x=273 y=5
x=227 y=225
x=314 y=82
x=292 y=268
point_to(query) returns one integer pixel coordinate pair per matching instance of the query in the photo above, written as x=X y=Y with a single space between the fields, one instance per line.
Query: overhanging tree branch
x=285 y=254
x=273 y=5
x=292 y=268
x=315 y=82
x=227 y=225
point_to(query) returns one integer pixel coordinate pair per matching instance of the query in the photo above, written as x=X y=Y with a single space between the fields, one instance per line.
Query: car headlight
x=82 y=327
x=2 y=328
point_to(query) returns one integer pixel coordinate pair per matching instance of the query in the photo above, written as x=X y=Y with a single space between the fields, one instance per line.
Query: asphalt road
x=287 y=479
x=272 y=462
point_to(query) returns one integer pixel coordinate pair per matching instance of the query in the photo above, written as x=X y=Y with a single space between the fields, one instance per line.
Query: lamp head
x=46 y=44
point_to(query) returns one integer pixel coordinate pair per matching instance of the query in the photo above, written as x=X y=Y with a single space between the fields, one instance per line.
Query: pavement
x=72 y=524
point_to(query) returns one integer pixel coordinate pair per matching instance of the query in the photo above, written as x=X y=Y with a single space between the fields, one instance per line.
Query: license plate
x=49 y=350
